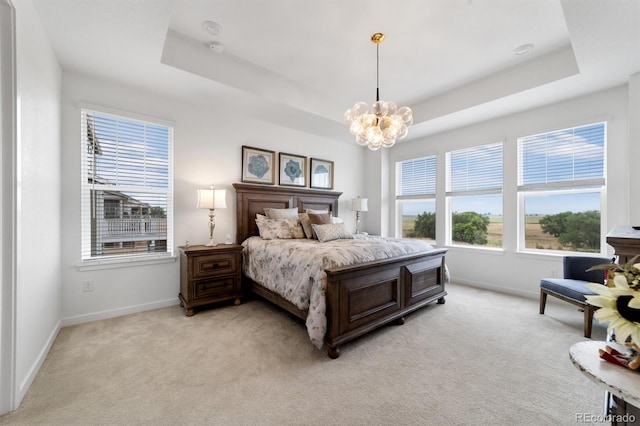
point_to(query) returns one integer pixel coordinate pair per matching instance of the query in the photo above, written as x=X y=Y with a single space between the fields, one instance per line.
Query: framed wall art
x=321 y=174
x=258 y=165
x=293 y=170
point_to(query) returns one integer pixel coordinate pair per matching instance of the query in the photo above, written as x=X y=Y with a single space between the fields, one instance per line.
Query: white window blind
x=416 y=178
x=127 y=191
x=569 y=158
x=475 y=171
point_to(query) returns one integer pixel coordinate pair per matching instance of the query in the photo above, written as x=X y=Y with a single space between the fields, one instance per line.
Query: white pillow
x=332 y=231
x=281 y=213
x=336 y=220
x=316 y=211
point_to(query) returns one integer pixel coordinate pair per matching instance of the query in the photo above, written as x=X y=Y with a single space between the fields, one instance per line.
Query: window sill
x=555 y=254
x=95 y=264
x=476 y=249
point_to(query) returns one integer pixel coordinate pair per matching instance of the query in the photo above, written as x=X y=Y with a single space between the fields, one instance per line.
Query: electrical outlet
x=554 y=273
x=87 y=285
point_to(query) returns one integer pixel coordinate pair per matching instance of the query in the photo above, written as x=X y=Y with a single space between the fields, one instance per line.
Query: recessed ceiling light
x=523 y=49
x=212 y=27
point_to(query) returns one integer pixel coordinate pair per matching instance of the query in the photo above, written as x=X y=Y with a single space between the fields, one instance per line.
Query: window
x=560 y=186
x=474 y=195
x=416 y=198
x=127 y=190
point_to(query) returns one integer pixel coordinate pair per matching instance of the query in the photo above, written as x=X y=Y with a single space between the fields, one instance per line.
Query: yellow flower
x=617 y=303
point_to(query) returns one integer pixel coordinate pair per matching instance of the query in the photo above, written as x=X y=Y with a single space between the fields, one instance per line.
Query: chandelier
x=384 y=123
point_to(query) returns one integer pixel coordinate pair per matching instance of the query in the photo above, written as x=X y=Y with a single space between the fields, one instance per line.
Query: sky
x=566 y=158
x=133 y=153
x=492 y=204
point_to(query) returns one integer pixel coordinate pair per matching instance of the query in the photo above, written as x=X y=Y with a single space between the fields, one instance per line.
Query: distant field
x=407 y=225
x=535 y=238
x=494 y=232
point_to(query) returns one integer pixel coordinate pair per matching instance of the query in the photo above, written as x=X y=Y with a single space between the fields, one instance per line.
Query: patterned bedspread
x=294 y=268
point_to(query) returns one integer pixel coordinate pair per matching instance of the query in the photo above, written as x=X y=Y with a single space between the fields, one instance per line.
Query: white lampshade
x=212 y=198
x=359 y=204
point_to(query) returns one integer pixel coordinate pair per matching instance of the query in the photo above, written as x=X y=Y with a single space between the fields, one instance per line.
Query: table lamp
x=358 y=205
x=212 y=199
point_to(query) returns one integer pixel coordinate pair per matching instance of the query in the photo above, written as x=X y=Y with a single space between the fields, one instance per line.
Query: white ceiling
x=303 y=63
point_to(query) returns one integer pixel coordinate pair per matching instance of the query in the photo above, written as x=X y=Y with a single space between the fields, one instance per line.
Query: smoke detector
x=216 y=47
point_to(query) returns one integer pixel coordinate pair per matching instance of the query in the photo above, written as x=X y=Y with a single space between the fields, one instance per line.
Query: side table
x=623 y=384
x=209 y=275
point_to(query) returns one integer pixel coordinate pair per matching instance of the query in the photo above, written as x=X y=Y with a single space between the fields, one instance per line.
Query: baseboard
x=33 y=371
x=96 y=316
x=515 y=292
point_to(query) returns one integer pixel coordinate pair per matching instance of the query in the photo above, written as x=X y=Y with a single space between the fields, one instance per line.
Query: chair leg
x=588 y=319
x=543 y=301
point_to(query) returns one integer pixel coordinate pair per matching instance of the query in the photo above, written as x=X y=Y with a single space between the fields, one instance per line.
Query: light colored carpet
x=483 y=358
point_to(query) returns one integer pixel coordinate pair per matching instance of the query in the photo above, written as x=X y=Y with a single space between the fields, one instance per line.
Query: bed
x=360 y=297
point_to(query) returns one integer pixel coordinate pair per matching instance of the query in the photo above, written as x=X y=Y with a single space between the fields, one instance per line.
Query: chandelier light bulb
x=384 y=123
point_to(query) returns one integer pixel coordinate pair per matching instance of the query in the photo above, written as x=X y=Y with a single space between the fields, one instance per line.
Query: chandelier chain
x=377 y=71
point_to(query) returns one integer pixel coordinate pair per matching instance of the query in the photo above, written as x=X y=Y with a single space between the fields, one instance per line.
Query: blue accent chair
x=571 y=288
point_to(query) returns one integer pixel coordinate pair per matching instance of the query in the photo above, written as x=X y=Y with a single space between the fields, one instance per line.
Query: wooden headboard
x=252 y=199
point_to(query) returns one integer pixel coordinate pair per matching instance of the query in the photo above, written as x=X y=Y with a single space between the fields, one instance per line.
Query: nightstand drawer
x=219 y=287
x=214 y=265
x=209 y=275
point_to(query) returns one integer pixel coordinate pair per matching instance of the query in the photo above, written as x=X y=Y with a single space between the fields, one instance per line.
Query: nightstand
x=209 y=275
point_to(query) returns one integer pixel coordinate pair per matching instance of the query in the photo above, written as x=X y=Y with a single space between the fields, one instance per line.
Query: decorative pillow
x=332 y=231
x=336 y=220
x=298 y=230
x=320 y=218
x=271 y=229
x=281 y=213
x=306 y=225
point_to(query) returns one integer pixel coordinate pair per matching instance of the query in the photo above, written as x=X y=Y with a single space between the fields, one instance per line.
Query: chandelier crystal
x=384 y=123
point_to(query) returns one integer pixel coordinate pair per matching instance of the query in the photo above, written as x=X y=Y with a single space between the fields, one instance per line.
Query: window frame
x=568 y=187
x=451 y=193
x=430 y=196
x=127 y=259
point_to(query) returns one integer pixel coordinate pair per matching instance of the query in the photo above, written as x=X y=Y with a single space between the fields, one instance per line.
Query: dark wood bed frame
x=360 y=297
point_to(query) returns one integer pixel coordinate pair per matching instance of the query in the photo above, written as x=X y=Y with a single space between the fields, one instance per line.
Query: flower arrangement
x=619 y=302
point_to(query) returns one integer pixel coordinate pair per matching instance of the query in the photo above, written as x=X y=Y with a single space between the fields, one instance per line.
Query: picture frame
x=321 y=173
x=293 y=170
x=258 y=165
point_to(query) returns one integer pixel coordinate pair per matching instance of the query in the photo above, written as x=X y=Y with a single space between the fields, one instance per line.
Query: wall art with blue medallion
x=258 y=165
x=293 y=170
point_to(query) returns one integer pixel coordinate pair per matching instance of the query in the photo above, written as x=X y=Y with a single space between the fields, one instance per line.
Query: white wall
x=376 y=220
x=506 y=270
x=7 y=210
x=207 y=150
x=38 y=285
x=634 y=148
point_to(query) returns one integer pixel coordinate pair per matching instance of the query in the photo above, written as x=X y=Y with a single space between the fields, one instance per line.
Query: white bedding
x=294 y=268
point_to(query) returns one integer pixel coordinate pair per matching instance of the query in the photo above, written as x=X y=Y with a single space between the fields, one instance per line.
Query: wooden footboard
x=359 y=297
x=363 y=297
x=366 y=296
